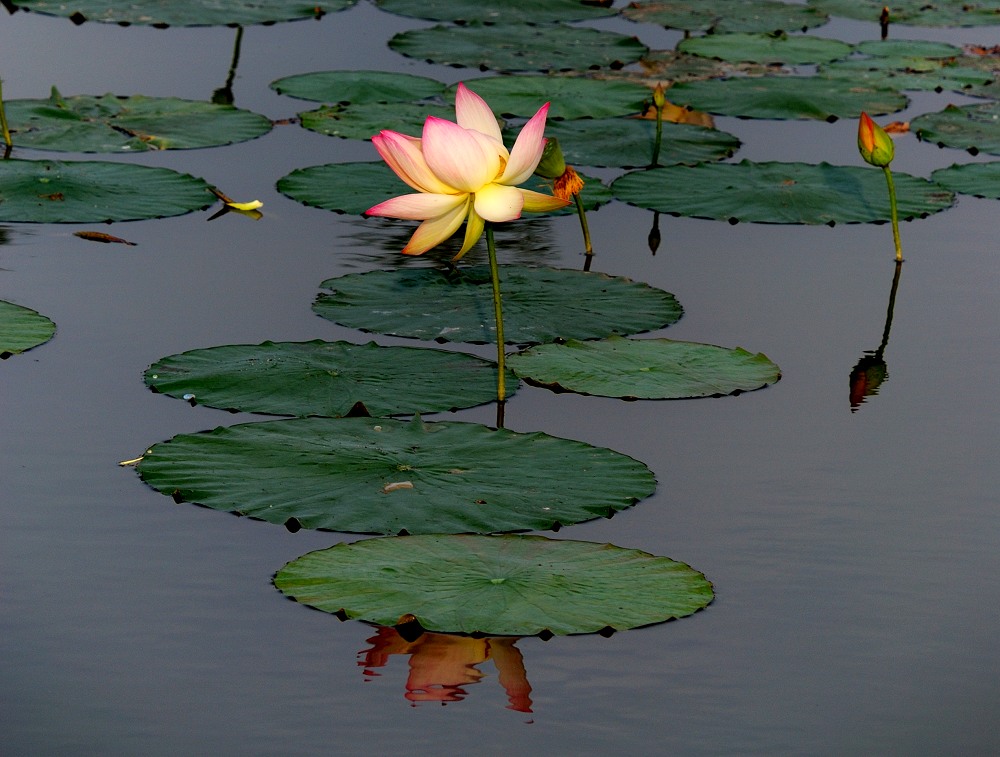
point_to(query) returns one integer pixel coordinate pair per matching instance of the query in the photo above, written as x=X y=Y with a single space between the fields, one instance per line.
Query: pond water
x=854 y=554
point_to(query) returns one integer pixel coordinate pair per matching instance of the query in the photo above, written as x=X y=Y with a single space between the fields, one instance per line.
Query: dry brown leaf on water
x=100 y=236
x=680 y=115
x=897 y=127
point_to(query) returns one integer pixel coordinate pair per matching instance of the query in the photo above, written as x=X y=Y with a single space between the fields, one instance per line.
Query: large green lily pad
x=977 y=179
x=353 y=87
x=929 y=74
x=975 y=128
x=770 y=48
x=780 y=193
x=353 y=188
x=915 y=12
x=185 y=12
x=495 y=585
x=47 y=191
x=326 y=378
x=570 y=97
x=645 y=368
x=519 y=47
x=721 y=16
x=818 y=97
x=539 y=304
x=504 y=11
x=22 y=328
x=110 y=123
x=378 y=475
x=363 y=120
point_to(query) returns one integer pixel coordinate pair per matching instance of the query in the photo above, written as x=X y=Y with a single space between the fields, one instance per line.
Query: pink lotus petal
x=462 y=158
x=472 y=112
x=474 y=226
x=434 y=231
x=539 y=202
x=495 y=202
x=527 y=150
x=404 y=156
x=417 y=207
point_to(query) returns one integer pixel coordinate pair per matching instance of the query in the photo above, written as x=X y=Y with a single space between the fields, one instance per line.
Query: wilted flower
x=463 y=172
x=874 y=144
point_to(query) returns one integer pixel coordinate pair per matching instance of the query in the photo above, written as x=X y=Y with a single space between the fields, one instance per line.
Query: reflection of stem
x=588 y=248
x=497 y=313
x=3 y=121
x=225 y=94
x=653 y=239
x=888 y=315
x=895 y=218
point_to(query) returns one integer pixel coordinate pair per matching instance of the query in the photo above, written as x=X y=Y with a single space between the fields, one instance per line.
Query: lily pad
x=46 y=191
x=368 y=475
x=185 y=12
x=721 y=16
x=539 y=304
x=326 y=378
x=800 y=193
x=645 y=368
x=927 y=74
x=524 y=11
x=772 y=49
x=22 y=328
x=354 y=187
x=495 y=585
x=977 y=179
x=570 y=97
x=110 y=123
x=363 y=120
x=354 y=87
x=975 y=128
x=907 y=48
x=915 y=12
x=519 y=47
x=818 y=97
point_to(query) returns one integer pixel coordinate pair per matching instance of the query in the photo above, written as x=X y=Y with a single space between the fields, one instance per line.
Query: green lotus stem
x=497 y=313
x=588 y=247
x=895 y=216
x=659 y=136
x=3 y=120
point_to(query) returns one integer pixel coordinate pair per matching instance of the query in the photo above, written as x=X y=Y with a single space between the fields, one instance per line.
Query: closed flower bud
x=874 y=144
x=553 y=164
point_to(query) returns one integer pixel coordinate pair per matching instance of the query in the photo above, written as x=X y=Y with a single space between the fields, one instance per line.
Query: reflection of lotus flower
x=874 y=144
x=463 y=172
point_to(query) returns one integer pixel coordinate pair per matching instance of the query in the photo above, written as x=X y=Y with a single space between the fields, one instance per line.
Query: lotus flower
x=874 y=144
x=463 y=172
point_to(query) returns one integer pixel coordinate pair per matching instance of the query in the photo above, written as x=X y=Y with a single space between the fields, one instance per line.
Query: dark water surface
x=855 y=555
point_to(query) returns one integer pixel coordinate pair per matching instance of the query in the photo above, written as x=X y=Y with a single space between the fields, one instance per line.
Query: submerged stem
x=895 y=217
x=497 y=313
x=588 y=248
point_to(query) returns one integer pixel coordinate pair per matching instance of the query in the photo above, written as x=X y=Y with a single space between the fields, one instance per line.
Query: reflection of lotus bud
x=553 y=164
x=866 y=378
x=874 y=144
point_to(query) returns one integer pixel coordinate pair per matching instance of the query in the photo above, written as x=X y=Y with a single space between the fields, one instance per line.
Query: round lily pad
x=928 y=74
x=645 y=368
x=524 y=11
x=46 y=191
x=185 y=12
x=354 y=187
x=519 y=47
x=110 y=123
x=378 y=475
x=495 y=585
x=363 y=120
x=780 y=193
x=720 y=16
x=975 y=128
x=353 y=87
x=977 y=179
x=907 y=48
x=326 y=378
x=569 y=97
x=914 y=12
x=818 y=97
x=539 y=304
x=770 y=48
x=22 y=328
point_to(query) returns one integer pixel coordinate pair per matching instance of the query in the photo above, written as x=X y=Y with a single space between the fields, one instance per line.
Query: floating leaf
x=539 y=304
x=519 y=47
x=354 y=187
x=525 y=11
x=355 y=87
x=907 y=48
x=570 y=97
x=720 y=16
x=910 y=73
x=326 y=378
x=914 y=12
x=977 y=179
x=185 y=12
x=644 y=368
x=46 y=191
x=496 y=585
x=110 y=123
x=22 y=328
x=975 y=128
x=671 y=66
x=822 y=98
x=781 y=48
x=364 y=120
x=779 y=193
x=384 y=476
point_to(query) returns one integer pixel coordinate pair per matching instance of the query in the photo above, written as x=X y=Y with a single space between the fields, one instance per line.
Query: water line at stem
x=497 y=314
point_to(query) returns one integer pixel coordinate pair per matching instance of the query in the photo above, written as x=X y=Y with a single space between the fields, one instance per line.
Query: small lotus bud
x=659 y=97
x=874 y=144
x=553 y=164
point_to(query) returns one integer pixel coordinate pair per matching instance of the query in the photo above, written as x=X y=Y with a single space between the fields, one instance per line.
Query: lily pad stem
x=497 y=313
x=3 y=120
x=895 y=217
x=588 y=247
